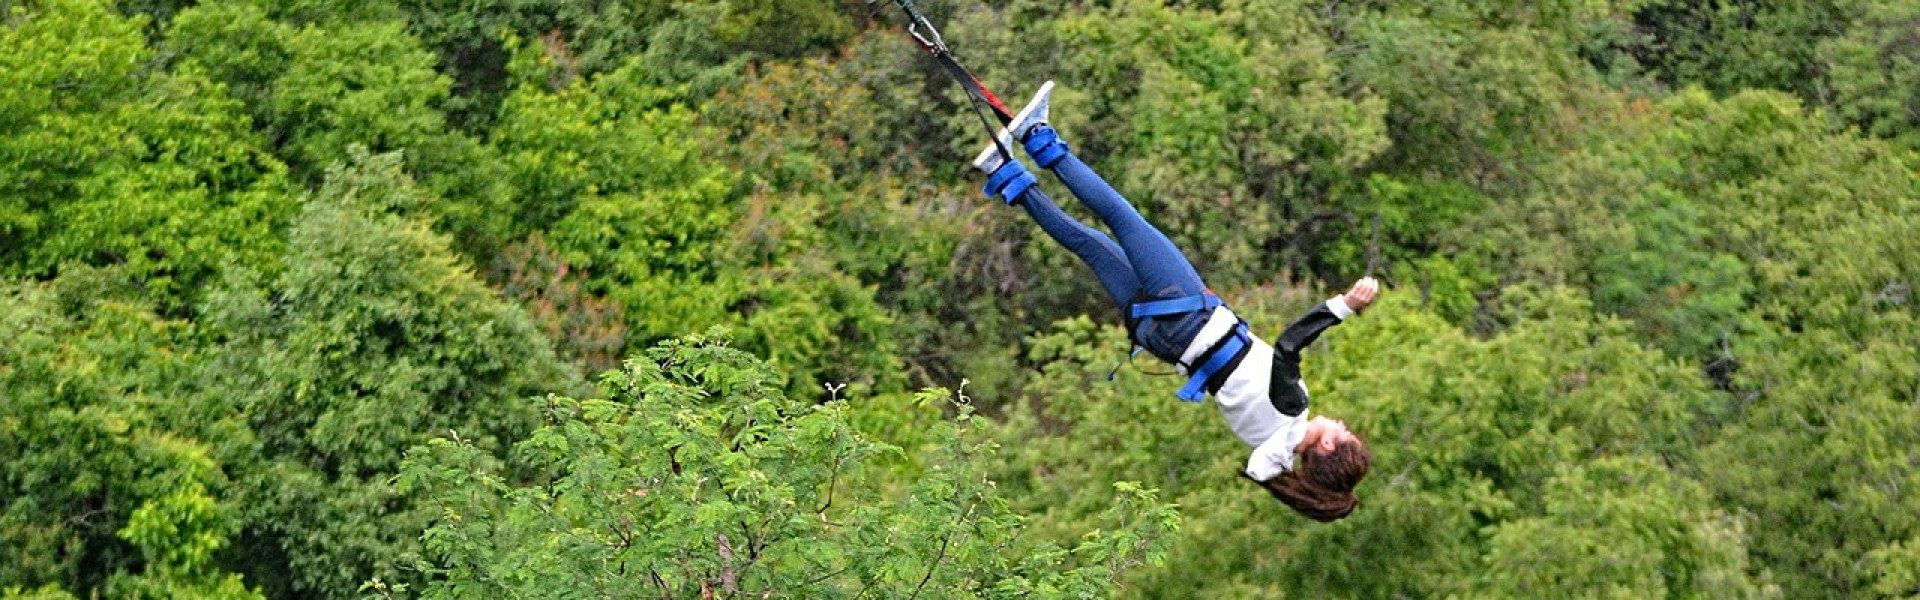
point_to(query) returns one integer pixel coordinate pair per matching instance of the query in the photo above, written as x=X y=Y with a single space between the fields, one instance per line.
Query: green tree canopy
x=699 y=477
x=111 y=162
x=104 y=491
x=371 y=340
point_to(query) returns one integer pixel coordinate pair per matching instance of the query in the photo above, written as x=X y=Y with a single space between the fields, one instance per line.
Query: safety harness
x=1211 y=361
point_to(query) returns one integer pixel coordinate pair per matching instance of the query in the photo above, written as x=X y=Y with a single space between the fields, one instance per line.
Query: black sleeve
x=1306 y=329
x=1284 y=388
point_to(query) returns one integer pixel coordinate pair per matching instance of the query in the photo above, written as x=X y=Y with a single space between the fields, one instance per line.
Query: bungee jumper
x=1310 y=464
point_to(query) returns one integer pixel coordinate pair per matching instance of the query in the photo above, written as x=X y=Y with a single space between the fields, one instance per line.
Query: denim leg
x=1108 y=261
x=1162 y=270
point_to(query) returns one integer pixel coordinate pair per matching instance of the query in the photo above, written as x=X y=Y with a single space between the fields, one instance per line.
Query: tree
x=107 y=488
x=112 y=162
x=1466 y=100
x=584 y=328
x=317 y=90
x=1824 y=440
x=1624 y=216
x=843 y=193
x=1744 y=233
x=1729 y=46
x=1622 y=528
x=698 y=476
x=373 y=339
x=672 y=235
x=1875 y=69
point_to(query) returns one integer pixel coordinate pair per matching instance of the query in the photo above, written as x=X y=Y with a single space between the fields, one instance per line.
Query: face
x=1324 y=434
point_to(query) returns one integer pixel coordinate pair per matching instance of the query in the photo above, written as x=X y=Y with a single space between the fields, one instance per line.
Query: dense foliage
x=755 y=492
x=307 y=299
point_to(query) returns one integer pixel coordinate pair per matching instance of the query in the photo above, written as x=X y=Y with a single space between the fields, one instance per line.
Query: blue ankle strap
x=1009 y=181
x=1045 y=147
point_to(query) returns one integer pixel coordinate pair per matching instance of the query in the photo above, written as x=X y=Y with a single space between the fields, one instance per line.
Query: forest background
x=331 y=299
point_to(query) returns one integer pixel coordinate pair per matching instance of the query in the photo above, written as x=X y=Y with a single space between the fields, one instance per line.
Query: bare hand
x=1361 y=296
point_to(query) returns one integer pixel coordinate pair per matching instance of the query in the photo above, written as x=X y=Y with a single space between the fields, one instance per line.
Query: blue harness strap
x=1195 y=389
x=1140 y=311
x=1045 y=147
x=1155 y=308
x=1009 y=181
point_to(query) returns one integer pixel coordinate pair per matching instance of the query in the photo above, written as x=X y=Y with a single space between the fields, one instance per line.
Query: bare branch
x=728 y=580
x=823 y=578
x=1373 y=246
x=942 y=555
x=833 y=479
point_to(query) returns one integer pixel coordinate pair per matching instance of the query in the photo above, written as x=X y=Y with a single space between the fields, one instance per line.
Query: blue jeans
x=1144 y=265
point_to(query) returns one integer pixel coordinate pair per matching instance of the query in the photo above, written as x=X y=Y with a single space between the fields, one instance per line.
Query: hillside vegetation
x=544 y=298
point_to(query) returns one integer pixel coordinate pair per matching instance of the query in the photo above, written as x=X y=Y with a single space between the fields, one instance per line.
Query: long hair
x=1321 y=485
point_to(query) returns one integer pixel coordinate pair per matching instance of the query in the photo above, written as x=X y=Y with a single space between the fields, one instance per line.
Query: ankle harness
x=1009 y=181
x=1045 y=147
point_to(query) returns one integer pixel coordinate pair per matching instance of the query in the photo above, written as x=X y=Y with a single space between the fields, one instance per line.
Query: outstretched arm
x=1307 y=328
x=1289 y=396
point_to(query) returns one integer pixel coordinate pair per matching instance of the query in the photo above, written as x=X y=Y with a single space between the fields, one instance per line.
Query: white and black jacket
x=1260 y=392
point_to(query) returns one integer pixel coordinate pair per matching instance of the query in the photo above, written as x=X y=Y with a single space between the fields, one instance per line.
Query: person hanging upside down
x=1311 y=465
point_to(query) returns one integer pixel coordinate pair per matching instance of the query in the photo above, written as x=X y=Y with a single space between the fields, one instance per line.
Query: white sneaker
x=1035 y=113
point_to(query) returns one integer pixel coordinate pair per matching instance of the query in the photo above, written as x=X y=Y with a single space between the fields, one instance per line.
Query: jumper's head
x=1332 y=461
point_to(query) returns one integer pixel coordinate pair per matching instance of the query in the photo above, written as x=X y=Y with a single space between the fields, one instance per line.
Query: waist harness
x=1215 y=359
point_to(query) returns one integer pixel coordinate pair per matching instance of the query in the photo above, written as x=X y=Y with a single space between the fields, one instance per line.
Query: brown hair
x=1321 y=485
